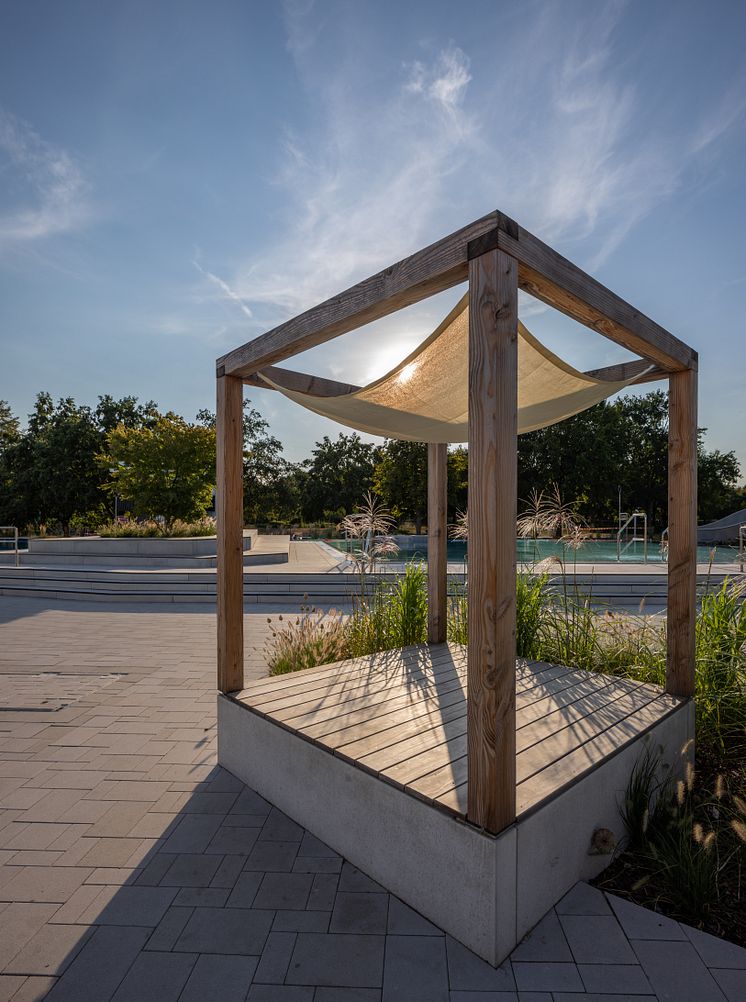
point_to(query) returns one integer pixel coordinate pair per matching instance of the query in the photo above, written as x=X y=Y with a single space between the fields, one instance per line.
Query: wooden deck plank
x=401 y=715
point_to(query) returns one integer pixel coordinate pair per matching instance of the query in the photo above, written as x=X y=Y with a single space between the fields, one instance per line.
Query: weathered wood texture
x=493 y=429
x=548 y=276
x=635 y=371
x=437 y=542
x=439 y=266
x=682 y=533
x=300 y=382
x=229 y=512
x=542 y=272
x=401 y=715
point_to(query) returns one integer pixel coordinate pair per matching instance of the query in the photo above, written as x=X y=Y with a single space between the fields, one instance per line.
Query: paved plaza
x=134 y=869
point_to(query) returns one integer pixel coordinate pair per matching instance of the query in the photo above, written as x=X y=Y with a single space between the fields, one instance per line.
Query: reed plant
x=389 y=616
x=309 y=639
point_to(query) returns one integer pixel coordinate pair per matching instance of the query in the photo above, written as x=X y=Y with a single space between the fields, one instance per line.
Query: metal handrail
x=664 y=544
x=15 y=539
x=742 y=545
x=632 y=519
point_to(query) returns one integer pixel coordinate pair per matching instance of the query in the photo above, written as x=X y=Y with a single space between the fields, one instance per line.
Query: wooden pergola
x=497 y=257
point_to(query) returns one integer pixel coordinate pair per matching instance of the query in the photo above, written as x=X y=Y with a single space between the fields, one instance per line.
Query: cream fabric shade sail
x=426 y=397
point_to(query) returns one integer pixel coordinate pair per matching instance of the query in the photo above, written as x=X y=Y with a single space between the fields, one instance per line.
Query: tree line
x=63 y=470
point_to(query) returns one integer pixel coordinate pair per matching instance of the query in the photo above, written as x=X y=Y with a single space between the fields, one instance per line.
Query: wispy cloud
x=554 y=134
x=226 y=291
x=48 y=188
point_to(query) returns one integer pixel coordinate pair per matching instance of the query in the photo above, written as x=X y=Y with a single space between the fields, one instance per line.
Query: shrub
x=141 y=530
x=390 y=616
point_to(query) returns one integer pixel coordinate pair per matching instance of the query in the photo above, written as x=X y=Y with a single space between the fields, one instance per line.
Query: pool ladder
x=624 y=541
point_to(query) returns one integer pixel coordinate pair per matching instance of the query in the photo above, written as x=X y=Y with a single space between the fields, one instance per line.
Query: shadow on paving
x=234 y=901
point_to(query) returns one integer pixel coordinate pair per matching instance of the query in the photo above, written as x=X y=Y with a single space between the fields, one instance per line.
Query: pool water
x=530 y=551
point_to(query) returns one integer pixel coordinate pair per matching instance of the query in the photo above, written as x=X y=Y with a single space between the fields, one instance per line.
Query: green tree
x=126 y=411
x=338 y=474
x=400 y=479
x=52 y=470
x=458 y=481
x=166 y=468
x=271 y=488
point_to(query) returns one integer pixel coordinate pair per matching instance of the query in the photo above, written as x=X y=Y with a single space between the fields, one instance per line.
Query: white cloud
x=226 y=291
x=445 y=81
x=48 y=186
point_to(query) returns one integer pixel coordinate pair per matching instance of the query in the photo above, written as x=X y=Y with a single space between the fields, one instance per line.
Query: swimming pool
x=530 y=551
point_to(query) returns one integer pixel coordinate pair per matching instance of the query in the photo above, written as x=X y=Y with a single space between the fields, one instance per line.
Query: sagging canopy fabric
x=426 y=397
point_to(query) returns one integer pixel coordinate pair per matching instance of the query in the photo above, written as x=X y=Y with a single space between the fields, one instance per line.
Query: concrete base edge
x=487 y=892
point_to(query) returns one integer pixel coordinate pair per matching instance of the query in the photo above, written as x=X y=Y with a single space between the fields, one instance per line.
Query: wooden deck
x=401 y=715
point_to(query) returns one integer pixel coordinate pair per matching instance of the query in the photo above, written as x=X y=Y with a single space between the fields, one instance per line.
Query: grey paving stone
x=191 y=869
x=582 y=899
x=312 y=846
x=716 y=952
x=317 y=864
x=100 y=966
x=359 y=911
x=228 y=871
x=595 y=997
x=278 y=856
x=615 y=978
x=233 y=841
x=283 y=890
x=644 y=923
x=323 y=892
x=225 y=930
x=193 y=833
x=415 y=969
x=546 y=942
x=9 y=985
x=50 y=951
x=343 y=960
x=155 y=869
x=350 y=995
x=459 y=996
x=405 y=921
x=731 y=982
x=250 y=802
x=210 y=802
x=676 y=972
x=44 y=883
x=275 y=959
x=34 y=989
x=205 y=897
x=279 y=993
x=169 y=929
x=137 y=906
x=542 y=977
x=298 y=921
x=244 y=890
x=280 y=828
x=468 y=972
x=216 y=978
x=20 y=921
x=597 y=939
x=156 y=977
x=352 y=879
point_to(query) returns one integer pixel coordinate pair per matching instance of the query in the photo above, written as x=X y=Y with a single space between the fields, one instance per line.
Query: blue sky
x=178 y=177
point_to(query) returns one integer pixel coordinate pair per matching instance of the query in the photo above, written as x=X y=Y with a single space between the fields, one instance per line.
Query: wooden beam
x=229 y=512
x=633 y=371
x=437 y=543
x=300 y=382
x=439 y=266
x=682 y=533
x=493 y=427
x=548 y=276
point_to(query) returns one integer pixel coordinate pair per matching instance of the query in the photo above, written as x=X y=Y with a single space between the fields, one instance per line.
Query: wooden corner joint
x=220 y=372
x=490 y=241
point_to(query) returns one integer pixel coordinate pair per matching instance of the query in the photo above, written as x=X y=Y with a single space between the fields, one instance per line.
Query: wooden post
x=682 y=532
x=437 y=542
x=493 y=429
x=229 y=511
